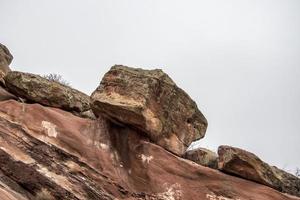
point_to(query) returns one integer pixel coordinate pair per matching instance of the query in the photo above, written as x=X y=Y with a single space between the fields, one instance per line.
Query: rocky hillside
x=127 y=141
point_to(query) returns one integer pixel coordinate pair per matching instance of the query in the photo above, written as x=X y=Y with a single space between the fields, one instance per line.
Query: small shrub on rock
x=57 y=78
x=297 y=173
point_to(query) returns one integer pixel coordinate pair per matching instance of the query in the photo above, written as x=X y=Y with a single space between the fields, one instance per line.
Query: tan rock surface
x=202 y=156
x=5 y=59
x=2 y=75
x=35 y=88
x=151 y=102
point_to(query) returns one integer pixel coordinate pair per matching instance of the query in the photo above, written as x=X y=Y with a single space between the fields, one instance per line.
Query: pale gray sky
x=239 y=59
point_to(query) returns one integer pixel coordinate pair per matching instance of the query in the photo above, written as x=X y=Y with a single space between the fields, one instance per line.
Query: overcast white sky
x=238 y=59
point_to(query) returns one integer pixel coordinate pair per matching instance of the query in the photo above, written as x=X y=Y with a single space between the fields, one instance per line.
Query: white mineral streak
x=50 y=128
x=146 y=159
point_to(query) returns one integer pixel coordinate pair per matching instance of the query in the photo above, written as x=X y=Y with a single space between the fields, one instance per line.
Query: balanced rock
x=247 y=165
x=35 y=88
x=150 y=101
x=204 y=157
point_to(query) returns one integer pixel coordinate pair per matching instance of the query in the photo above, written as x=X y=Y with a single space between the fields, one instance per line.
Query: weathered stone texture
x=202 y=156
x=247 y=165
x=35 y=88
x=5 y=59
x=150 y=101
x=48 y=153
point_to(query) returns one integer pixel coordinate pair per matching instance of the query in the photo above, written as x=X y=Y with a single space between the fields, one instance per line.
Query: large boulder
x=247 y=165
x=150 y=101
x=202 y=156
x=35 y=88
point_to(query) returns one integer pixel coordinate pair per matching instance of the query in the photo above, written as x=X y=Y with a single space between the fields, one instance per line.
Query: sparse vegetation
x=297 y=173
x=57 y=78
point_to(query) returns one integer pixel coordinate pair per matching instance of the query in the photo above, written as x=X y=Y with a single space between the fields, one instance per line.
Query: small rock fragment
x=204 y=157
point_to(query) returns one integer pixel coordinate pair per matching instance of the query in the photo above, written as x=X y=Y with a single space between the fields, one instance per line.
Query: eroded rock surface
x=2 y=75
x=247 y=165
x=204 y=157
x=5 y=95
x=35 y=88
x=5 y=59
x=48 y=153
x=150 y=101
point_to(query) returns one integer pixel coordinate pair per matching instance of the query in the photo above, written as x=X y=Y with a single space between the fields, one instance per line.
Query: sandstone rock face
x=37 y=89
x=247 y=165
x=150 y=101
x=204 y=157
x=48 y=153
x=4 y=95
x=289 y=183
x=5 y=59
x=87 y=114
x=2 y=75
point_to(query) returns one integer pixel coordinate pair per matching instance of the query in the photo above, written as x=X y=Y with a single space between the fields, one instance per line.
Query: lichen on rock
x=150 y=101
x=37 y=89
x=248 y=166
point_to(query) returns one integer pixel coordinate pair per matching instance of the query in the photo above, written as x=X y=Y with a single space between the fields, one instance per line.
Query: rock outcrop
x=247 y=165
x=204 y=157
x=289 y=183
x=48 y=153
x=2 y=75
x=35 y=88
x=151 y=102
x=124 y=152
x=5 y=59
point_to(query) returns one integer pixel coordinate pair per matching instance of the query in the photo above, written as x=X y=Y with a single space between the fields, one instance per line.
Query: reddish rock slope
x=47 y=153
